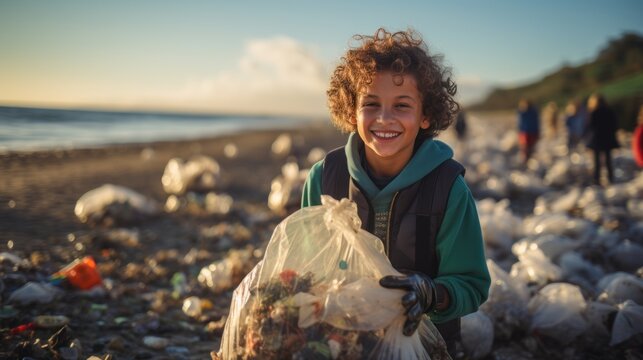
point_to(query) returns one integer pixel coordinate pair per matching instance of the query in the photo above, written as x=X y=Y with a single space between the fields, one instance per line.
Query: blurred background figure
x=550 y=117
x=601 y=135
x=461 y=126
x=528 y=128
x=637 y=139
x=574 y=123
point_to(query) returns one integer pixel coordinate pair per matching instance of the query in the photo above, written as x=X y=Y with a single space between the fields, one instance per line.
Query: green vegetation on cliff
x=617 y=73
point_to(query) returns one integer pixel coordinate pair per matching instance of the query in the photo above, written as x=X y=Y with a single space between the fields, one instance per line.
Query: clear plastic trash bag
x=628 y=322
x=557 y=311
x=477 y=335
x=316 y=294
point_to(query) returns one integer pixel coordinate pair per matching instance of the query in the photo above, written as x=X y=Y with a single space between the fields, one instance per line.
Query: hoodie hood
x=428 y=156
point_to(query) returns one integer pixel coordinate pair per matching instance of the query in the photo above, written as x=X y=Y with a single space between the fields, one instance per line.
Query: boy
x=394 y=98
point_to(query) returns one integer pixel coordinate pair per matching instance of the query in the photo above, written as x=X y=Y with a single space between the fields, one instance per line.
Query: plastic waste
x=199 y=173
x=598 y=318
x=477 y=335
x=35 y=293
x=155 y=342
x=230 y=150
x=282 y=145
x=81 y=273
x=619 y=287
x=111 y=204
x=218 y=203
x=50 y=321
x=534 y=267
x=580 y=271
x=552 y=246
x=179 y=284
x=14 y=259
x=627 y=255
x=333 y=294
x=557 y=312
x=628 y=322
x=285 y=189
x=224 y=274
x=315 y=154
x=192 y=306
x=499 y=225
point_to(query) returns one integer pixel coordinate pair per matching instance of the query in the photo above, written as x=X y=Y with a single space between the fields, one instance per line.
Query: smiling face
x=388 y=119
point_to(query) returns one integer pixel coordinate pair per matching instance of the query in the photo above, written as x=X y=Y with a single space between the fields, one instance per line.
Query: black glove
x=419 y=300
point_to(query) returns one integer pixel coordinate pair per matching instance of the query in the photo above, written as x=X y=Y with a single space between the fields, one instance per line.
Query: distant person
x=575 y=124
x=601 y=135
x=637 y=139
x=550 y=118
x=528 y=128
x=461 y=126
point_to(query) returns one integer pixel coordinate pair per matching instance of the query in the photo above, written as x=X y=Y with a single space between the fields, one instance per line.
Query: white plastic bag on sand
x=316 y=293
x=552 y=246
x=111 y=204
x=285 y=189
x=499 y=225
x=477 y=335
x=628 y=322
x=579 y=271
x=507 y=301
x=627 y=255
x=35 y=293
x=598 y=316
x=199 y=173
x=282 y=145
x=619 y=287
x=557 y=312
x=226 y=273
x=534 y=267
x=315 y=154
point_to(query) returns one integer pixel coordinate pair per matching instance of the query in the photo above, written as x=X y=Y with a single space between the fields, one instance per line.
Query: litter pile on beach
x=151 y=274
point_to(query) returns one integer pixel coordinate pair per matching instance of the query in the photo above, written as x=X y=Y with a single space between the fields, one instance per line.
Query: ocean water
x=28 y=129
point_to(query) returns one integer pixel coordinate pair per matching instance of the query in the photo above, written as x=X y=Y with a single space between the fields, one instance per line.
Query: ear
x=424 y=123
x=353 y=120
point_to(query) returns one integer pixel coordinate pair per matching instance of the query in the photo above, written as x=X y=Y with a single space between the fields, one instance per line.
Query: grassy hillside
x=616 y=72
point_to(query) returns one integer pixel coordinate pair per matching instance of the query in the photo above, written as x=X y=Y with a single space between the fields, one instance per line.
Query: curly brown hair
x=402 y=52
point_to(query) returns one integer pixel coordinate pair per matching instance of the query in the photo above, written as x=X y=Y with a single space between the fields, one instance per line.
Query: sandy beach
x=150 y=268
x=38 y=190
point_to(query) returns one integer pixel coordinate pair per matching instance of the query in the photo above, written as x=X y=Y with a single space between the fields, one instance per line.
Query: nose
x=385 y=115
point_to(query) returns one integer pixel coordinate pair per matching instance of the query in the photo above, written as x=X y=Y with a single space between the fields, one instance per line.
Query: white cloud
x=471 y=89
x=277 y=75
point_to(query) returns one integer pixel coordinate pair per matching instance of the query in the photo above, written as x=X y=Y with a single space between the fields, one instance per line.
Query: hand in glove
x=419 y=300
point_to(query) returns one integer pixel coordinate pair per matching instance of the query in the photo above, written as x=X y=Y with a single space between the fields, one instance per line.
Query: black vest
x=417 y=213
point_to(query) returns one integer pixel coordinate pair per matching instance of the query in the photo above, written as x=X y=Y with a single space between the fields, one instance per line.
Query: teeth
x=386 y=135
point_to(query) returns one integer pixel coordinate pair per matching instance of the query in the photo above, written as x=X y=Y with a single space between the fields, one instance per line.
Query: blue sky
x=274 y=57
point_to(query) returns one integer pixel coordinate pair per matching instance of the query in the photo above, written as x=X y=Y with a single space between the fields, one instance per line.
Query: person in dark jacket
x=601 y=135
x=528 y=128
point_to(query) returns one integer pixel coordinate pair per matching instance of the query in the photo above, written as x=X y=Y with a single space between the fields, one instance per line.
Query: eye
x=369 y=104
x=403 y=105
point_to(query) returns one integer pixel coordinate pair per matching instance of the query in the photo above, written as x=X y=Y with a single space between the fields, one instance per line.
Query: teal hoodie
x=463 y=269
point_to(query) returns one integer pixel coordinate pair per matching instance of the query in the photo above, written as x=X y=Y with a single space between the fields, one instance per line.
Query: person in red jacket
x=637 y=140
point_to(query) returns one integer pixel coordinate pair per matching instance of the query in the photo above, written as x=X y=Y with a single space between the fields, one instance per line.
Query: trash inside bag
x=316 y=294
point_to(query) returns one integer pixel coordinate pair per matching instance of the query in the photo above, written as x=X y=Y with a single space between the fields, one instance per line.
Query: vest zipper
x=388 y=223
